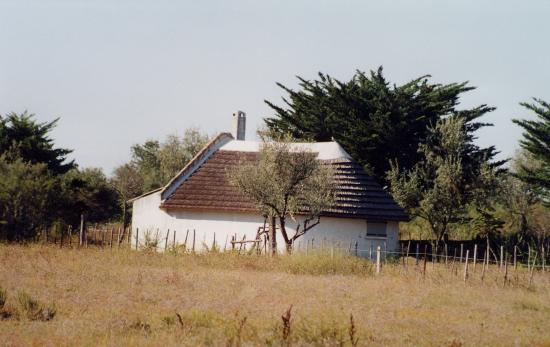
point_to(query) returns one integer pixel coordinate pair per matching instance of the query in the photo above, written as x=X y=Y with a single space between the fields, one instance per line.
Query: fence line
x=479 y=254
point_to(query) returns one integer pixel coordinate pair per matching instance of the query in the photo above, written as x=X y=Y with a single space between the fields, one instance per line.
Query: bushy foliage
x=449 y=178
x=29 y=140
x=376 y=122
x=285 y=182
x=156 y=163
x=87 y=192
x=27 y=191
x=39 y=186
x=521 y=206
x=536 y=142
x=33 y=309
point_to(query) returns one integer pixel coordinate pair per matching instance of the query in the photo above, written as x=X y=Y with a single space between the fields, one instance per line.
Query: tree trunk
x=272 y=235
x=288 y=242
x=124 y=214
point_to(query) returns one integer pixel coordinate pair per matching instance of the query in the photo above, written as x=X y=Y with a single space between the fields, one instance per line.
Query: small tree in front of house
x=286 y=182
x=450 y=178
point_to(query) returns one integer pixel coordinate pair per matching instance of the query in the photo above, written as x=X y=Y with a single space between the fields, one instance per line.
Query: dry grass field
x=94 y=297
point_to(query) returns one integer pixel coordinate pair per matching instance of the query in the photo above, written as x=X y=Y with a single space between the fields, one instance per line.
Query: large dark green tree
x=88 y=192
x=376 y=122
x=25 y=138
x=536 y=142
x=40 y=187
x=27 y=192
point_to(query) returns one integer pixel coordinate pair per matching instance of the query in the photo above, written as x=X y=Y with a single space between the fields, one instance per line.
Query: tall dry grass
x=121 y=297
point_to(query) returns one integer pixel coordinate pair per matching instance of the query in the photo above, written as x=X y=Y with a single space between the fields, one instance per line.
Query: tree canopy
x=536 y=142
x=156 y=162
x=376 y=122
x=29 y=140
x=286 y=182
x=26 y=194
x=40 y=187
x=448 y=179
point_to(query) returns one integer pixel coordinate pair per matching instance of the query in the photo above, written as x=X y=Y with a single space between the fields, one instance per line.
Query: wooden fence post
x=118 y=237
x=485 y=255
x=543 y=260
x=86 y=236
x=408 y=252
x=434 y=256
x=501 y=258
x=528 y=258
x=70 y=235
x=425 y=260
x=532 y=270
x=402 y=256
x=356 y=246
x=461 y=251
x=505 y=271
x=488 y=255
x=166 y=240
x=378 y=260
x=515 y=257
x=475 y=257
x=174 y=241
x=446 y=254
x=81 y=235
x=137 y=238
x=417 y=252
x=111 y=239
x=466 y=266
x=185 y=242
x=453 y=267
x=194 y=234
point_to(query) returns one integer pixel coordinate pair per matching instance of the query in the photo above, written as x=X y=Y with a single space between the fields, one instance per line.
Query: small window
x=376 y=229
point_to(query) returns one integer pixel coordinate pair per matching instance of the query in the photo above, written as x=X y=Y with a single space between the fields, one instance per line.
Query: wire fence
x=474 y=254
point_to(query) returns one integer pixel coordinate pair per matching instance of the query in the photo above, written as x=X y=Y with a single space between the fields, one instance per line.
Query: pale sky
x=120 y=72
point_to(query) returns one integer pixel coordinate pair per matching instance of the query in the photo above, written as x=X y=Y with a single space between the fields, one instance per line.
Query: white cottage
x=201 y=199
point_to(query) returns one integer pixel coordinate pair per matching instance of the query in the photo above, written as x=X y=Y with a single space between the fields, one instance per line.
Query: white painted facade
x=147 y=217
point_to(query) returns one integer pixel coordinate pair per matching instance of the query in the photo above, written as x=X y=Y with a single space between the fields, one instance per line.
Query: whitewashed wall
x=149 y=218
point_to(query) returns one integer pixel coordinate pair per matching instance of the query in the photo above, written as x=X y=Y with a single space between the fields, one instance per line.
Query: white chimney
x=239 y=125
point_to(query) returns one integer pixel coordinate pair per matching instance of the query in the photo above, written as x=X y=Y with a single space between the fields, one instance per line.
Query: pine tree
x=374 y=121
x=536 y=141
x=23 y=137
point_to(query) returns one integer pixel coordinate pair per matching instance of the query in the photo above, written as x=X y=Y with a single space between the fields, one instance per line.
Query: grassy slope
x=129 y=298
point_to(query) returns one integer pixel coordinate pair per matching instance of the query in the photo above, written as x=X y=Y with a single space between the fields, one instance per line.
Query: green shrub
x=33 y=310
